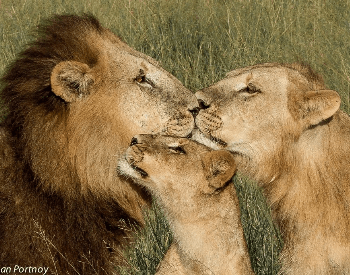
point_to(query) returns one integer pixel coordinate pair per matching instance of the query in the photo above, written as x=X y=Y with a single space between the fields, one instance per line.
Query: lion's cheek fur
x=105 y=144
x=260 y=156
x=47 y=169
x=158 y=118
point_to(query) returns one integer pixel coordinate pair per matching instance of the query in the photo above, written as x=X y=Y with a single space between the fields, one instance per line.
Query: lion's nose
x=195 y=111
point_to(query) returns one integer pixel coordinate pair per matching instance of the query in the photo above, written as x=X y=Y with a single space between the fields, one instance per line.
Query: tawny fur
x=193 y=186
x=291 y=137
x=74 y=100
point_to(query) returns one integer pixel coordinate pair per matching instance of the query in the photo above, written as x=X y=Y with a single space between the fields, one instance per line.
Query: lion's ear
x=71 y=80
x=219 y=167
x=317 y=106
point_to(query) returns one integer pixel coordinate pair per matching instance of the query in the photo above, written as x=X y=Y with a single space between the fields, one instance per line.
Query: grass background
x=199 y=41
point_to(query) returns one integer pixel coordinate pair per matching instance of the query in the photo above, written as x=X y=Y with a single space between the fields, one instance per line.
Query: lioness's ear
x=317 y=106
x=71 y=80
x=219 y=167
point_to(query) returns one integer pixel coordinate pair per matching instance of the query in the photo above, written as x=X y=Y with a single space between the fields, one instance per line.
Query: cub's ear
x=219 y=167
x=317 y=106
x=71 y=80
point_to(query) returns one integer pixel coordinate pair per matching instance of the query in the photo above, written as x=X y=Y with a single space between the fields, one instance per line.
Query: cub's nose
x=142 y=139
x=134 y=141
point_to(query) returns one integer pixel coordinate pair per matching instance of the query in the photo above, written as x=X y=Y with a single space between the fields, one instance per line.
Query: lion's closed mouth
x=140 y=171
x=207 y=139
x=215 y=139
x=218 y=141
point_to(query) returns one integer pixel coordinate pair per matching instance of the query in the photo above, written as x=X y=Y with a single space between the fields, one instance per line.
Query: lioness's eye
x=250 y=89
x=177 y=150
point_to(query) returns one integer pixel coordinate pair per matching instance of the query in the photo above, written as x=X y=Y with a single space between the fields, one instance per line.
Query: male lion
x=287 y=132
x=75 y=98
x=193 y=185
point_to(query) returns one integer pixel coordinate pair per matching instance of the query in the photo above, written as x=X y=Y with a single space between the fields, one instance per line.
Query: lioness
x=192 y=184
x=287 y=132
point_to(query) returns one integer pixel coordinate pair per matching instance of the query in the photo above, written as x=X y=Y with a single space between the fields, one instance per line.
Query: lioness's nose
x=203 y=104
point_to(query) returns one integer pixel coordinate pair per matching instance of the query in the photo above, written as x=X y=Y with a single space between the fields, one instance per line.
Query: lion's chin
x=141 y=172
x=126 y=169
x=208 y=140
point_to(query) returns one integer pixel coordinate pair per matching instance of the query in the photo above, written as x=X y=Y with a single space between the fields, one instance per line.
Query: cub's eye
x=177 y=150
x=250 y=89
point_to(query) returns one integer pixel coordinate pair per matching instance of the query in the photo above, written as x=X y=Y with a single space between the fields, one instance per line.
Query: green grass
x=199 y=41
x=151 y=245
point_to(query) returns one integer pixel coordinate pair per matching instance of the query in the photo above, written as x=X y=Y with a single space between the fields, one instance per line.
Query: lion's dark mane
x=27 y=81
x=68 y=232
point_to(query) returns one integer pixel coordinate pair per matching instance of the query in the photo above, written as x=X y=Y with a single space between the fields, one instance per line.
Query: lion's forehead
x=124 y=58
x=117 y=50
x=131 y=63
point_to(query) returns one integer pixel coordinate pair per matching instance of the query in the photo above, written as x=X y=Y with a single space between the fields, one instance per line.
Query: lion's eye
x=141 y=79
x=250 y=89
x=177 y=150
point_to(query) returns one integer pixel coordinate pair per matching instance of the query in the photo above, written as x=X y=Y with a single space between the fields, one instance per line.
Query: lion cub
x=192 y=184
